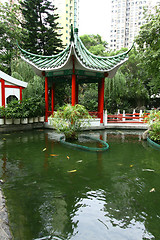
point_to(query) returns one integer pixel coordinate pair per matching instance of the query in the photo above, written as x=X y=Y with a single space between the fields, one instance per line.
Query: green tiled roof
x=84 y=60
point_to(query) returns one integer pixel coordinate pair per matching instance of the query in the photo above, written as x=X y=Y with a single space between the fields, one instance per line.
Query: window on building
x=11 y=98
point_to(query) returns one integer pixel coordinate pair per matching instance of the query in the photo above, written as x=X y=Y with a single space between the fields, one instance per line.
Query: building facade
x=127 y=18
x=68 y=11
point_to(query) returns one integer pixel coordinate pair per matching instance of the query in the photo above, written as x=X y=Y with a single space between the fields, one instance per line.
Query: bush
x=70 y=119
x=32 y=107
x=2 y=112
x=154 y=123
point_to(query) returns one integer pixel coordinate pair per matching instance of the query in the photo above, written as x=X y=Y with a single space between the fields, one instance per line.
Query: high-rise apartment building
x=68 y=11
x=127 y=18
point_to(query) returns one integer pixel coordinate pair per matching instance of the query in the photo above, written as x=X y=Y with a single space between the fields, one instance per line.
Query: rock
x=145 y=134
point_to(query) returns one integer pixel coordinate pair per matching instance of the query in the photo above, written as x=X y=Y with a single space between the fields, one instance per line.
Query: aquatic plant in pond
x=153 y=119
x=70 y=120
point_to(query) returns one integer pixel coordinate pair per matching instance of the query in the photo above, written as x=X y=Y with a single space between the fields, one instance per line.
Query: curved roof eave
x=111 y=72
x=84 y=59
x=40 y=70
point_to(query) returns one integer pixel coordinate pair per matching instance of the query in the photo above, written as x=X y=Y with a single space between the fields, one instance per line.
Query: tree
x=89 y=92
x=95 y=44
x=149 y=49
x=41 y=24
x=22 y=71
x=10 y=31
x=89 y=96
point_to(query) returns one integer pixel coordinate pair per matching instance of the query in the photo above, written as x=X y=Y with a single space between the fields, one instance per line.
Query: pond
x=57 y=192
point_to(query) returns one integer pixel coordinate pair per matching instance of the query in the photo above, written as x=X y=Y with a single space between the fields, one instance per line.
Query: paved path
x=4 y=227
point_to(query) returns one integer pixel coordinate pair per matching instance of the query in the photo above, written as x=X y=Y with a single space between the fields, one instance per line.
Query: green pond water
x=112 y=195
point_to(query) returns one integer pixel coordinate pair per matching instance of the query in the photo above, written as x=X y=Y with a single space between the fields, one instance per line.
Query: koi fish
x=72 y=171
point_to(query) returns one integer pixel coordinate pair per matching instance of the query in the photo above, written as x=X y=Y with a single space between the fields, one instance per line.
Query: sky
x=95 y=17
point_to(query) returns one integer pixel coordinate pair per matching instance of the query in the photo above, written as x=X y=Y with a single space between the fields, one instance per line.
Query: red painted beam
x=3 y=92
x=12 y=86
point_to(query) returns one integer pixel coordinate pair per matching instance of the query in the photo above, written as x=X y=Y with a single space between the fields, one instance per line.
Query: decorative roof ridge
x=101 y=57
x=44 y=56
x=34 y=65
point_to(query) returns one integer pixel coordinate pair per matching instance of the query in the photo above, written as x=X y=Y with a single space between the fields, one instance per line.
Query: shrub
x=32 y=107
x=70 y=119
x=2 y=112
x=154 y=123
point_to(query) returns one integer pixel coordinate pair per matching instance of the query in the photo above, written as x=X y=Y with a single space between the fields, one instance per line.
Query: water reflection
x=108 y=197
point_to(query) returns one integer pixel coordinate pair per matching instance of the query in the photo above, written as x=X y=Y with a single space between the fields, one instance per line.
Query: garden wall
x=9 y=125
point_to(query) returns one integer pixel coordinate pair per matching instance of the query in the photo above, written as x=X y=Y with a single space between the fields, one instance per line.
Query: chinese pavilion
x=74 y=65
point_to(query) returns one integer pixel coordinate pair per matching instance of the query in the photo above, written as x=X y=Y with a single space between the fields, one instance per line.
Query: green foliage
x=32 y=107
x=149 y=49
x=2 y=111
x=88 y=96
x=70 y=119
x=23 y=71
x=40 y=22
x=13 y=110
x=155 y=132
x=153 y=119
x=95 y=44
x=10 y=31
x=128 y=89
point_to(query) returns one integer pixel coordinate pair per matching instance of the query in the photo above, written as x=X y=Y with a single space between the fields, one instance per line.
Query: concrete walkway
x=136 y=126
x=5 y=233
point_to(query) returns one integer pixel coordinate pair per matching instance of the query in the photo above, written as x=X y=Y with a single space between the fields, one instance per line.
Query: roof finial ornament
x=72 y=34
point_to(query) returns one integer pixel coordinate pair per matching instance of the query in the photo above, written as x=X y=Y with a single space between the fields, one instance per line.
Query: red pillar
x=46 y=99
x=101 y=99
x=73 y=83
x=3 y=92
x=20 y=94
x=52 y=96
x=99 y=88
x=73 y=89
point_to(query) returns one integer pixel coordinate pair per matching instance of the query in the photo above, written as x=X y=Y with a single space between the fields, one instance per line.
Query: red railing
x=127 y=118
